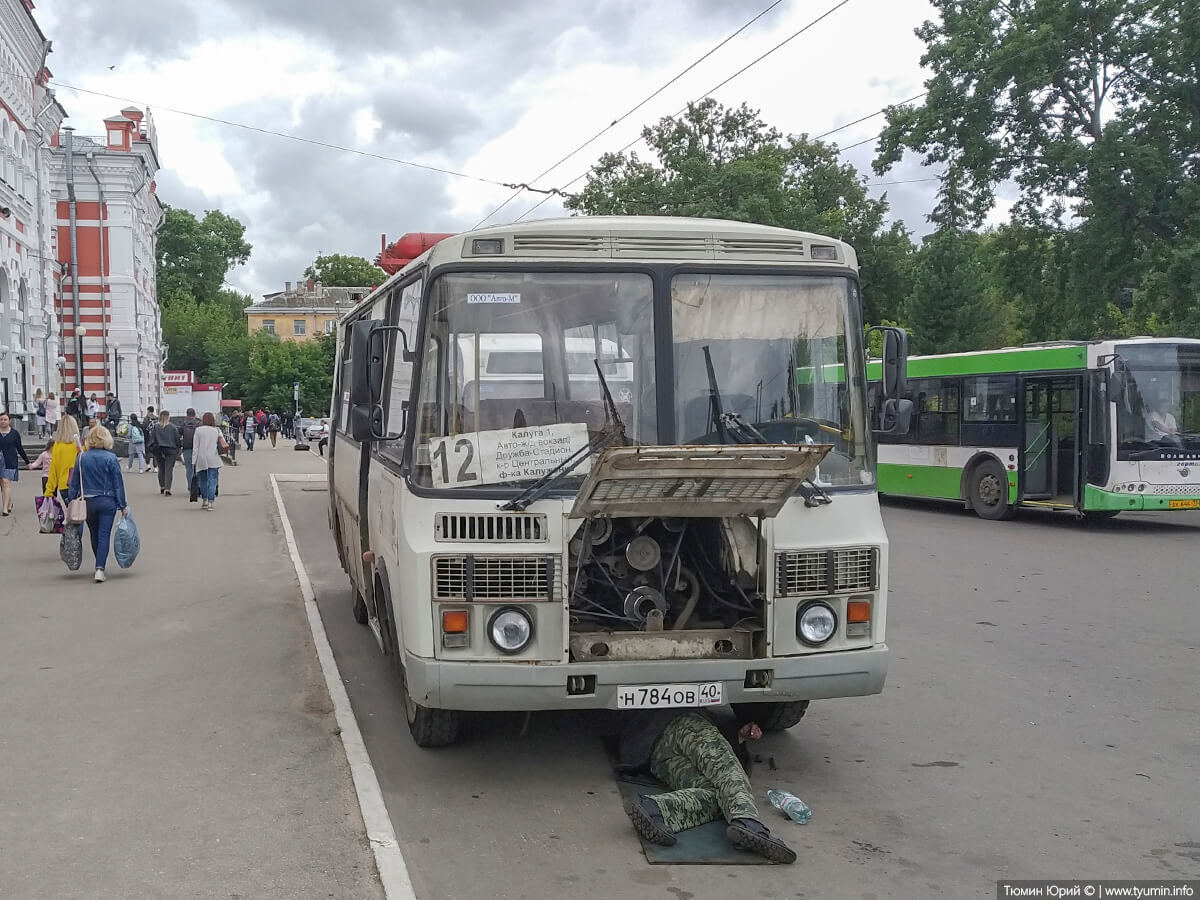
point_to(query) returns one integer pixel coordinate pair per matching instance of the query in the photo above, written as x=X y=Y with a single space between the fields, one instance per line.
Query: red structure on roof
x=395 y=256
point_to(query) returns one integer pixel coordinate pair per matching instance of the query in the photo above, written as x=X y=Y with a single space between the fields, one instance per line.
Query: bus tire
x=429 y=727
x=988 y=491
x=360 y=607
x=773 y=716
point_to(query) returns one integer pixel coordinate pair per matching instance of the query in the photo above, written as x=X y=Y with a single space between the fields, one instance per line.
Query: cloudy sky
x=495 y=90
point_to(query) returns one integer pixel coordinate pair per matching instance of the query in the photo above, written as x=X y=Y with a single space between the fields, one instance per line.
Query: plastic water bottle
x=795 y=808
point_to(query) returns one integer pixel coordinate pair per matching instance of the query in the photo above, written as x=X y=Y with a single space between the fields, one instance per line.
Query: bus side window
x=937 y=411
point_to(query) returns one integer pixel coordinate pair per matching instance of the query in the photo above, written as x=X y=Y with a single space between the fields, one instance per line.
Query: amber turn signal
x=455 y=621
x=858 y=611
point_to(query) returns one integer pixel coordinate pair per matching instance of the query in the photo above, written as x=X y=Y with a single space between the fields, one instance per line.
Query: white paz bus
x=571 y=466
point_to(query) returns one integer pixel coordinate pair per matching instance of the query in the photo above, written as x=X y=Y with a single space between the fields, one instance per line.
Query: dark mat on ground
x=703 y=846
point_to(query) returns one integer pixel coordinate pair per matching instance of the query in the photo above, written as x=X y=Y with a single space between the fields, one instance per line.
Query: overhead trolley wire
x=631 y=111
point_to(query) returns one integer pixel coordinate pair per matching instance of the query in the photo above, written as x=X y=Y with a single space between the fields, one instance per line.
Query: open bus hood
x=696 y=481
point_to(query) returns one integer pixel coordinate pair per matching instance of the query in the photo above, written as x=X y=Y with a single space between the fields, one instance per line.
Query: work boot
x=648 y=821
x=753 y=835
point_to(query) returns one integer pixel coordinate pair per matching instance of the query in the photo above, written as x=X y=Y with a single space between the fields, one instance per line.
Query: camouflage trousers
x=707 y=782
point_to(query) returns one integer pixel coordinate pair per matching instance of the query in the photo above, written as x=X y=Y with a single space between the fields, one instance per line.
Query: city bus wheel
x=429 y=727
x=360 y=607
x=775 y=716
x=989 y=491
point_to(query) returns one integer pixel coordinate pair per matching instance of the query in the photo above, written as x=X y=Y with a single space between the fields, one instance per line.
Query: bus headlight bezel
x=521 y=617
x=816 y=607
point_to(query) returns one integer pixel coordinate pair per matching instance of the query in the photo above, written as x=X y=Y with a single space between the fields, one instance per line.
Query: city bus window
x=518 y=368
x=990 y=398
x=937 y=411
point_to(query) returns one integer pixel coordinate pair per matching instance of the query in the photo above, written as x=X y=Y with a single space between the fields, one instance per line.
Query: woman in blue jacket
x=103 y=488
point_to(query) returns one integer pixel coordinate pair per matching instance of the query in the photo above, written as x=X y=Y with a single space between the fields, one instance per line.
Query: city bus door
x=1050 y=428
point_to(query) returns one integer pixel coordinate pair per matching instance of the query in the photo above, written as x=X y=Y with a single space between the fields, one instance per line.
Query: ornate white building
x=29 y=117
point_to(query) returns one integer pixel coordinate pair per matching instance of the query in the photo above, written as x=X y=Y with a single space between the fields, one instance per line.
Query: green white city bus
x=1099 y=428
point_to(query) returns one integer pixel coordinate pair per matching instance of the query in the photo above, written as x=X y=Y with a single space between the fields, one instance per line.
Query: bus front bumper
x=527 y=686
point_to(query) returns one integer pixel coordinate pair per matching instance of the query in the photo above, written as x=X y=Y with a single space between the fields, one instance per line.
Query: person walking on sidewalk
x=166 y=440
x=273 y=428
x=148 y=423
x=187 y=432
x=137 y=444
x=697 y=760
x=208 y=445
x=10 y=448
x=97 y=478
x=53 y=412
x=62 y=458
x=39 y=405
x=250 y=427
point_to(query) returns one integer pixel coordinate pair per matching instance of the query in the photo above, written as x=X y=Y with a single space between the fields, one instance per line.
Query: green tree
x=726 y=163
x=1089 y=107
x=948 y=309
x=345 y=271
x=195 y=255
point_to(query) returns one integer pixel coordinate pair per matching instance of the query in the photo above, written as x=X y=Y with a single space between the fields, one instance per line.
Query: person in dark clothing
x=112 y=411
x=701 y=756
x=187 y=437
x=10 y=448
x=167 y=442
x=75 y=407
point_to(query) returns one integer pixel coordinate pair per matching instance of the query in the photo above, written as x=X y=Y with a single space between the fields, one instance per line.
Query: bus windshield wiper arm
x=613 y=428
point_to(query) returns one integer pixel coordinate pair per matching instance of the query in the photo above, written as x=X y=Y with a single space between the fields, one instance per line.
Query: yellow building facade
x=304 y=312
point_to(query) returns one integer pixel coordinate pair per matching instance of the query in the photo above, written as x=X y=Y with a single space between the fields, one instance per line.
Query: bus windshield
x=509 y=386
x=1159 y=415
x=779 y=353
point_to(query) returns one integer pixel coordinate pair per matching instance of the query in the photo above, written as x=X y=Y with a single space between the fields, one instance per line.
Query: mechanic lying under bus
x=572 y=466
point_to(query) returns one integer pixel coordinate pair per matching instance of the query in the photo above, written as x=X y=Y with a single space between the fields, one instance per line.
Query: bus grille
x=849 y=569
x=491 y=527
x=472 y=577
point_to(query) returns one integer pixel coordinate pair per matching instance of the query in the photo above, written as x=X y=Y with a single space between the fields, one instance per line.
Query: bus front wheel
x=430 y=727
x=360 y=607
x=988 y=491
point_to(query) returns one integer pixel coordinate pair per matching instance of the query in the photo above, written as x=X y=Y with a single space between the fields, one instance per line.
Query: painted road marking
x=393 y=871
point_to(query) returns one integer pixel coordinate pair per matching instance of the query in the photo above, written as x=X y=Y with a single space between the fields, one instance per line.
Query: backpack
x=188 y=430
x=41 y=410
x=135 y=435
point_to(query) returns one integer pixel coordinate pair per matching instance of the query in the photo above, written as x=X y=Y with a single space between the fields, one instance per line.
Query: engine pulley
x=642 y=600
x=643 y=553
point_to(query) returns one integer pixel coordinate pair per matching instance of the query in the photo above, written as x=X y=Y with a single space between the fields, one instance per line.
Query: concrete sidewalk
x=168 y=733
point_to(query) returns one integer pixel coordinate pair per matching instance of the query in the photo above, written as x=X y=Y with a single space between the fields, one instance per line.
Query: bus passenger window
x=937 y=411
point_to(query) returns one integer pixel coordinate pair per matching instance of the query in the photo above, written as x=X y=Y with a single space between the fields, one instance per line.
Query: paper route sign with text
x=506 y=454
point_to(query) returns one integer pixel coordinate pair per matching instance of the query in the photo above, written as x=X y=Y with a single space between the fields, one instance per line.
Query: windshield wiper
x=613 y=429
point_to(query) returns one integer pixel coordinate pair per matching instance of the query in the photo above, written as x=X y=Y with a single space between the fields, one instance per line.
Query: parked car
x=317 y=430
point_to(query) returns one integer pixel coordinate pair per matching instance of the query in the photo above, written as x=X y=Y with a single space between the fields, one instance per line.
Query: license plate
x=1183 y=504
x=663 y=696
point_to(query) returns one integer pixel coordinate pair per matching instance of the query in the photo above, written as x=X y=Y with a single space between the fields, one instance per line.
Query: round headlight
x=816 y=623
x=510 y=630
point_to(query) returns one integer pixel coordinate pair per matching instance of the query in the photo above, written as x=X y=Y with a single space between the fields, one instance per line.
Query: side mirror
x=366 y=362
x=896 y=417
x=895 y=363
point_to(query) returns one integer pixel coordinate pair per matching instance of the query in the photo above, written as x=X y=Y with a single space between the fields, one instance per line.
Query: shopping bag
x=126 y=543
x=70 y=547
x=50 y=515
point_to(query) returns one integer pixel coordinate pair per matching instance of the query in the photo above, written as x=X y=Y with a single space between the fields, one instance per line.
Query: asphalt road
x=168 y=734
x=1040 y=720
